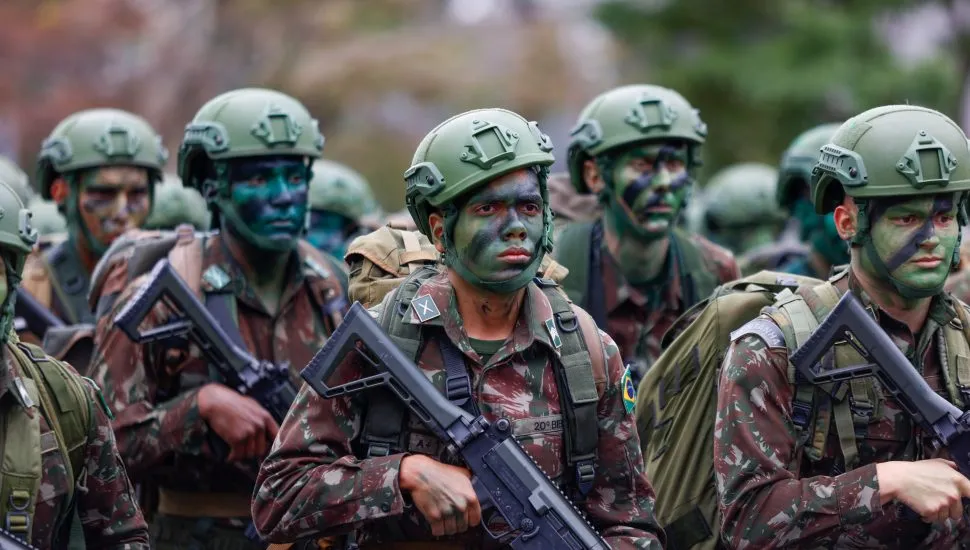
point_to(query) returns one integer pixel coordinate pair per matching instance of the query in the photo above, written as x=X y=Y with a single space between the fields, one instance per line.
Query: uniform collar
x=434 y=304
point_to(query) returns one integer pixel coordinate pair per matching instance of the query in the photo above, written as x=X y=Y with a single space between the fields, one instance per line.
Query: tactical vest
x=850 y=405
x=57 y=273
x=580 y=250
x=61 y=397
x=581 y=375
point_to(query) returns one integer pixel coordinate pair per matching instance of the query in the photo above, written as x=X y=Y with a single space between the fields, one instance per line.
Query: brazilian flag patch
x=629 y=391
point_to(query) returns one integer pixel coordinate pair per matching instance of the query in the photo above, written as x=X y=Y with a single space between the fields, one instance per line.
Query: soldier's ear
x=591 y=176
x=846 y=218
x=437 y=223
x=59 y=190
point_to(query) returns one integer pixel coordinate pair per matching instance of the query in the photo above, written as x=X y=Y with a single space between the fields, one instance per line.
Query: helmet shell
x=99 y=137
x=340 y=189
x=795 y=170
x=743 y=195
x=174 y=204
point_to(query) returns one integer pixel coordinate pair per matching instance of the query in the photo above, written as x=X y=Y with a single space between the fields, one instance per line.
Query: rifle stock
x=9 y=541
x=505 y=478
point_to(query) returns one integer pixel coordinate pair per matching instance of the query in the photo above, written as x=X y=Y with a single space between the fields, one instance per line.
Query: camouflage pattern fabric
x=153 y=390
x=636 y=324
x=106 y=502
x=312 y=485
x=568 y=204
x=771 y=495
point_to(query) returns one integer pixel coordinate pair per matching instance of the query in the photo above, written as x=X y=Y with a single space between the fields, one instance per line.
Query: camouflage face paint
x=110 y=201
x=914 y=239
x=651 y=183
x=499 y=227
x=329 y=232
x=267 y=201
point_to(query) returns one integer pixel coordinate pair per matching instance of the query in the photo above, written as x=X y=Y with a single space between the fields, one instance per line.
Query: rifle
x=505 y=478
x=849 y=322
x=37 y=318
x=9 y=541
x=266 y=382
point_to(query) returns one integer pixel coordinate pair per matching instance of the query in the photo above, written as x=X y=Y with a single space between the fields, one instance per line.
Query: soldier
x=342 y=206
x=794 y=182
x=477 y=188
x=99 y=166
x=249 y=151
x=175 y=204
x=48 y=221
x=740 y=212
x=637 y=148
x=833 y=467
x=568 y=205
x=63 y=480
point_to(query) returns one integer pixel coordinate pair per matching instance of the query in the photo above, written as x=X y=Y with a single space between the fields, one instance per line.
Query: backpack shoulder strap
x=325 y=285
x=185 y=254
x=956 y=368
x=574 y=253
x=69 y=282
x=582 y=377
x=698 y=279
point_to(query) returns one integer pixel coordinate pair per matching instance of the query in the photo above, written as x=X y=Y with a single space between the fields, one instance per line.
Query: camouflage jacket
x=635 y=323
x=772 y=495
x=153 y=390
x=106 y=502
x=312 y=484
x=58 y=279
x=958 y=284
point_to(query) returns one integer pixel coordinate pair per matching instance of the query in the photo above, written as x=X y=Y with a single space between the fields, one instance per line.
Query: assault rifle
x=266 y=382
x=9 y=541
x=36 y=318
x=505 y=478
x=849 y=322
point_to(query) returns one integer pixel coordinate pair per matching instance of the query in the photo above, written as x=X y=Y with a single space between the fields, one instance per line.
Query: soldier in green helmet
x=99 y=166
x=637 y=148
x=740 y=212
x=174 y=205
x=811 y=466
x=249 y=152
x=342 y=206
x=64 y=484
x=477 y=189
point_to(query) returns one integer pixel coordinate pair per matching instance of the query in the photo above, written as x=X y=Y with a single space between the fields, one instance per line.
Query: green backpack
x=61 y=396
x=677 y=399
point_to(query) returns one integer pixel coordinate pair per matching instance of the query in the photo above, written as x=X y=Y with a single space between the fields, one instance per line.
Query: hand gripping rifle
x=9 y=541
x=266 y=382
x=849 y=322
x=505 y=478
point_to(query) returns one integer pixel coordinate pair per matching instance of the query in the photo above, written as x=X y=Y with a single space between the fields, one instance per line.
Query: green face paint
x=105 y=202
x=329 y=231
x=650 y=184
x=808 y=221
x=267 y=202
x=912 y=243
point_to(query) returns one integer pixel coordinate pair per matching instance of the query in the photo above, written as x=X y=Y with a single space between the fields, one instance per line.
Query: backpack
x=388 y=267
x=677 y=398
x=61 y=396
x=580 y=251
x=381 y=260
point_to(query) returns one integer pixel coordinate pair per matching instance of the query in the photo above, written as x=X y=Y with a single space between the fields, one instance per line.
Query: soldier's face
x=268 y=199
x=112 y=200
x=500 y=226
x=329 y=231
x=651 y=184
x=915 y=238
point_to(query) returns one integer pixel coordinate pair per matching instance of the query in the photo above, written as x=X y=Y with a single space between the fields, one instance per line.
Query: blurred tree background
x=379 y=74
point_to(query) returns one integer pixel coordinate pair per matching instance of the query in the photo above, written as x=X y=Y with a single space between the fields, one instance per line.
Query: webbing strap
x=846 y=430
x=956 y=357
x=222 y=307
x=458 y=385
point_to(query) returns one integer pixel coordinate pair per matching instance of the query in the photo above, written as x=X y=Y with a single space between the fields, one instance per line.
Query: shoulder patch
x=762 y=328
x=629 y=390
x=425 y=308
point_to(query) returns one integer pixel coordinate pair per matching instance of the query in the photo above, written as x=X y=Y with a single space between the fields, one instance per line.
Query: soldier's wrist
x=887 y=481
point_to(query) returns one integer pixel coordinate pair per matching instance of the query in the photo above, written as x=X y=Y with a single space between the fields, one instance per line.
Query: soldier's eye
x=531 y=208
x=485 y=209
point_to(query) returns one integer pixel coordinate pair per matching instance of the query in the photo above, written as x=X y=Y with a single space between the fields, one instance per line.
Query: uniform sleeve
x=311 y=484
x=621 y=503
x=107 y=505
x=148 y=431
x=763 y=503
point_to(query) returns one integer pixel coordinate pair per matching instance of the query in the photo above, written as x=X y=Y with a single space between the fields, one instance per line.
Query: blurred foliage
x=762 y=72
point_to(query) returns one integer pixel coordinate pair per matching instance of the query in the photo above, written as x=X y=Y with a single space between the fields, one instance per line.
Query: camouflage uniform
x=105 y=502
x=315 y=483
x=792 y=471
x=637 y=318
x=203 y=502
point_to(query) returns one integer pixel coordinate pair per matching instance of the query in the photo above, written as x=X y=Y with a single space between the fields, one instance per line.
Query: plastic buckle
x=378 y=450
x=801 y=413
x=585 y=475
x=18 y=522
x=457 y=389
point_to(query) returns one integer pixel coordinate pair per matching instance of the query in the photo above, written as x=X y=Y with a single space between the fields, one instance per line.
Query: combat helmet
x=795 y=170
x=340 y=189
x=892 y=151
x=628 y=115
x=249 y=122
x=17 y=179
x=740 y=210
x=466 y=152
x=96 y=138
x=17 y=239
x=46 y=217
x=176 y=205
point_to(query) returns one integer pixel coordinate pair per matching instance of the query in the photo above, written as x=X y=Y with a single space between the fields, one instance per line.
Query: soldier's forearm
x=149 y=433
